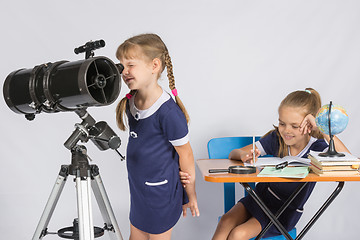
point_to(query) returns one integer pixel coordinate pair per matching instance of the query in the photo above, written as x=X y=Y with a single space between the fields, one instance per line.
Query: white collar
x=141 y=114
x=302 y=152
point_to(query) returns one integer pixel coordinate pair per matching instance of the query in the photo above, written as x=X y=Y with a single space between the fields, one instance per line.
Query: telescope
x=65 y=86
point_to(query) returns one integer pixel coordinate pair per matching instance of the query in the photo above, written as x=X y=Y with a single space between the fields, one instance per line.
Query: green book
x=288 y=172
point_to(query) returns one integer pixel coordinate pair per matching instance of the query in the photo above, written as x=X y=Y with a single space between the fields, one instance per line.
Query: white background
x=234 y=61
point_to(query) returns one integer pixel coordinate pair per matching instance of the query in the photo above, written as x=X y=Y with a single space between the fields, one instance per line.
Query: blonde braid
x=121 y=111
x=169 y=68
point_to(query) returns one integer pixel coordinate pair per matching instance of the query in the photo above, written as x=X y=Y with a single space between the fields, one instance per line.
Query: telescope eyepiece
x=120 y=67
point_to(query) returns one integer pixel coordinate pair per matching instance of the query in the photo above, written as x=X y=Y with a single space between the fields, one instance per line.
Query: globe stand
x=331 y=150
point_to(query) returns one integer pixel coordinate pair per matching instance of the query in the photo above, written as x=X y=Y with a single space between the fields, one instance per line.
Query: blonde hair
x=310 y=102
x=151 y=47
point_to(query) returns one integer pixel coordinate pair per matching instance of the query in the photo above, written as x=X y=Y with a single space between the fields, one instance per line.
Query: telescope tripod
x=86 y=176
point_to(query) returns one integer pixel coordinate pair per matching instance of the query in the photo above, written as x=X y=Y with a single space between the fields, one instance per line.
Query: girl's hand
x=308 y=124
x=248 y=158
x=184 y=178
x=193 y=208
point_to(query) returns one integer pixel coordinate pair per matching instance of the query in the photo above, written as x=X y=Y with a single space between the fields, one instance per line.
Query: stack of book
x=334 y=166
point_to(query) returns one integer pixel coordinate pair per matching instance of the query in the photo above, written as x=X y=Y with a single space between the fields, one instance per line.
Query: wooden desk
x=206 y=164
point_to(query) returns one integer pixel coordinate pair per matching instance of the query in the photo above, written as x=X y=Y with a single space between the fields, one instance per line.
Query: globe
x=338 y=119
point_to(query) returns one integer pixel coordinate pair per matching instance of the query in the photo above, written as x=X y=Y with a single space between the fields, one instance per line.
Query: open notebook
x=288 y=172
x=272 y=161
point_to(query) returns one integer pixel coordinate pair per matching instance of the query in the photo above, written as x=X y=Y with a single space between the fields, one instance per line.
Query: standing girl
x=296 y=135
x=158 y=143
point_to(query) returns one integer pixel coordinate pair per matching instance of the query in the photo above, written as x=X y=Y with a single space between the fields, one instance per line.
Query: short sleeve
x=269 y=144
x=319 y=145
x=175 y=126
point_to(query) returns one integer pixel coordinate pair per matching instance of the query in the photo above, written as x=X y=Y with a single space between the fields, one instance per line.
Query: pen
x=253 y=150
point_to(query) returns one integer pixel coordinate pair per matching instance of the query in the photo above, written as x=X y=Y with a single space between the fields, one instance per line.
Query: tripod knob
x=94 y=170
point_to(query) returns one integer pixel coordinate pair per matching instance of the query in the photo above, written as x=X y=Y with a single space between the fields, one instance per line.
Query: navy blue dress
x=275 y=194
x=156 y=193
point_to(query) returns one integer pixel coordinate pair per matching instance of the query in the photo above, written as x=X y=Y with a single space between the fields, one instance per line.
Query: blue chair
x=220 y=148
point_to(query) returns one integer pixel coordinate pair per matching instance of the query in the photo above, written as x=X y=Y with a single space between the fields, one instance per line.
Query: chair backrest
x=219 y=148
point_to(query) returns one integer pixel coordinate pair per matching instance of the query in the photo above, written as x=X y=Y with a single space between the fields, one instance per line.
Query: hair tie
x=128 y=96
x=174 y=92
x=308 y=91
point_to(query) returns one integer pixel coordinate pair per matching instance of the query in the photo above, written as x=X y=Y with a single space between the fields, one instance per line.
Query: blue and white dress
x=275 y=194
x=156 y=193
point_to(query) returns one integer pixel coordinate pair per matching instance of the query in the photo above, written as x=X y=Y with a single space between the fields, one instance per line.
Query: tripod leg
x=104 y=205
x=41 y=229
x=86 y=226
